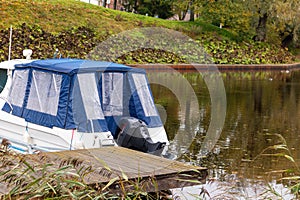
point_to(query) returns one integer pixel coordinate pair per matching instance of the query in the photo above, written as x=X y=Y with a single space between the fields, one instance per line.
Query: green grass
x=52 y=24
x=57 y=15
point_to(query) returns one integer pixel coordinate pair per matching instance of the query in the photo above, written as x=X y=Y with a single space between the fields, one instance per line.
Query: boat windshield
x=3 y=78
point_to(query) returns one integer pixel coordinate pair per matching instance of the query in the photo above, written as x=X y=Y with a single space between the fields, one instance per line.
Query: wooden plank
x=149 y=172
x=152 y=171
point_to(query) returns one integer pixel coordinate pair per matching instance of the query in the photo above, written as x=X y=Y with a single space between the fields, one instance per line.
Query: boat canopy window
x=144 y=95
x=18 y=87
x=44 y=92
x=112 y=94
x=89 y=93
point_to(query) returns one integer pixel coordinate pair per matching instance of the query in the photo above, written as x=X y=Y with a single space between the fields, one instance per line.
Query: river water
x=257 y=151
x=258 y=146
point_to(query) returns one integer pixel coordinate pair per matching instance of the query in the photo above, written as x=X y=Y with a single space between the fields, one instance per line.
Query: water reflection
x=232 y=189
x=260 y=139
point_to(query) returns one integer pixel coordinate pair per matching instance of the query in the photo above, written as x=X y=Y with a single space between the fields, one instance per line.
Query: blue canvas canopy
x=87 y=95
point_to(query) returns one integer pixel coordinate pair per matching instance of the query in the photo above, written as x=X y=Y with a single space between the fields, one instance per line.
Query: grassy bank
x=75 y=28
x=59 y=15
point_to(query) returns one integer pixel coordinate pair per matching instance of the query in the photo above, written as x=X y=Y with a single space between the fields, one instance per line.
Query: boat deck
x=125 y=166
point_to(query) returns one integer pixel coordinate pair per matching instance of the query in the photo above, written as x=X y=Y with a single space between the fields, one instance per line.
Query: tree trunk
x=182 y=16
x=135 y=5
x=183 y=13
x=115 y=4
x=192 y=16
x=261 y=29
x=104 y=3
x=285 y=42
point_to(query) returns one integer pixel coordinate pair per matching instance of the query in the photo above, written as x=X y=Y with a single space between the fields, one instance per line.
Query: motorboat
x=67 y=104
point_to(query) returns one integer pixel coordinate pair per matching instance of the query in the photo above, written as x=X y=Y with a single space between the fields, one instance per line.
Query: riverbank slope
x=76 y=28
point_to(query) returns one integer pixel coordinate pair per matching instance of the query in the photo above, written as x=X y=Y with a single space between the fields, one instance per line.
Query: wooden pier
x=113 y=167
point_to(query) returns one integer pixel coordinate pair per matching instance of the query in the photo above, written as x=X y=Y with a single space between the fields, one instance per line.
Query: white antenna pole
x=10 y=41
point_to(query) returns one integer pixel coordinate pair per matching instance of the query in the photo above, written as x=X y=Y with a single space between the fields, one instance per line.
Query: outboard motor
x=133 y=134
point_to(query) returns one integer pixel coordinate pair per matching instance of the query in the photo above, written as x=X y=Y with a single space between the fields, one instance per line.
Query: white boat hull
x=26 y=137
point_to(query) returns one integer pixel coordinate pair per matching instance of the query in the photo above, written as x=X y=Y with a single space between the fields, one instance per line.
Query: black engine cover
x=134 y=134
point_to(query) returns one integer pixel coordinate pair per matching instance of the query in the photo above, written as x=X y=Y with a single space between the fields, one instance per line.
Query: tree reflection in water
x=263 y=111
